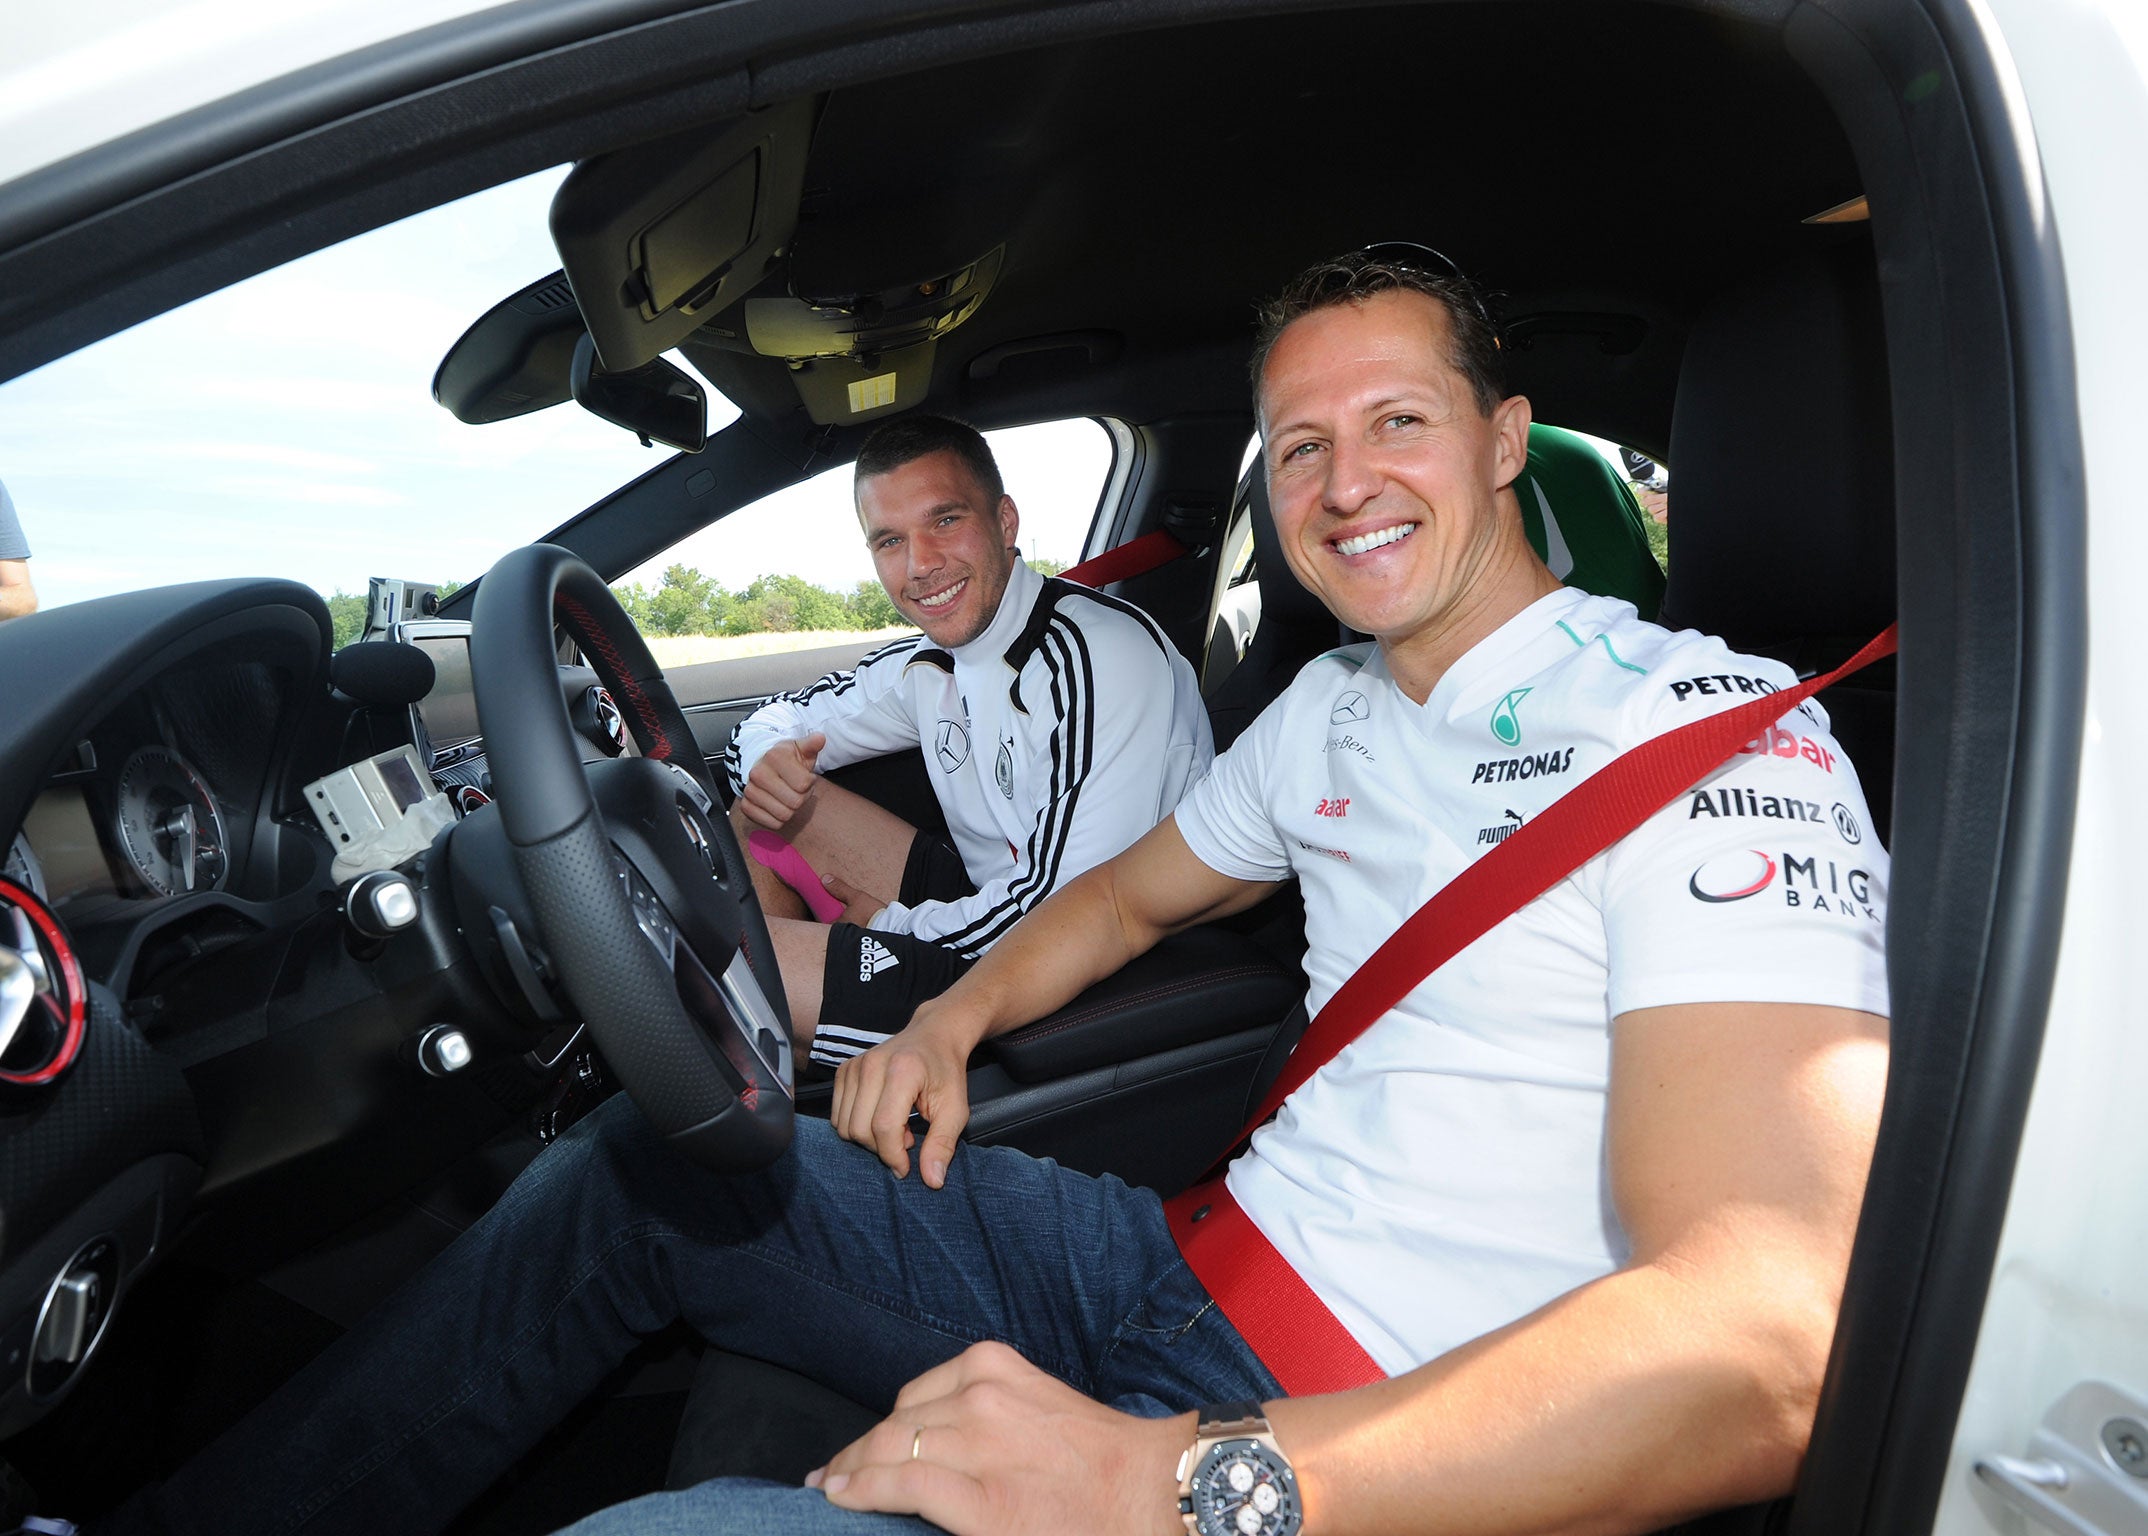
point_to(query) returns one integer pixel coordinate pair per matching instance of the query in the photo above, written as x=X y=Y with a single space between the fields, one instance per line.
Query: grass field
x=690 y=650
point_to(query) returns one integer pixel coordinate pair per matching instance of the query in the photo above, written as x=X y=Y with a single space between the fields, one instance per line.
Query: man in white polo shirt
x=1585 y=1197
x=1587 y=1194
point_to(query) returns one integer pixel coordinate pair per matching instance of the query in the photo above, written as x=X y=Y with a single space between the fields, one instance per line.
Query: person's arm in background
x=17 y=595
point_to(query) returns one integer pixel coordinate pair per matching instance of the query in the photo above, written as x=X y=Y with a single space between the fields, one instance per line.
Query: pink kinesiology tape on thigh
x=790 y=866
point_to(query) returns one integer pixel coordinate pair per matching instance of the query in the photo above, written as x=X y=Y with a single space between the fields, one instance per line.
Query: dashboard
x=235 y=1053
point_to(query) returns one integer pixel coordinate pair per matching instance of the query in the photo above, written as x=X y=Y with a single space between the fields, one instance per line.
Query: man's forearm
x=1738 y=1140
x=1083 y=932
x=17 y=598
x=1067 y=942
x=1623 y=1406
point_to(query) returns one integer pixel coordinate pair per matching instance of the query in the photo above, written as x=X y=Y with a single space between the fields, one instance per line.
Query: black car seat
x=1782 y=518
x=1294 y=627
x=1782 y=487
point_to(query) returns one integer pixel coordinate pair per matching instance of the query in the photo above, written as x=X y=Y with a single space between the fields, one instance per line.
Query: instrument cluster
x=160 y=798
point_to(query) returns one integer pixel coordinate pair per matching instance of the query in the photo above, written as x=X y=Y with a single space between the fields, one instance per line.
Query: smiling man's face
x=942 y=547
x=1387 y=480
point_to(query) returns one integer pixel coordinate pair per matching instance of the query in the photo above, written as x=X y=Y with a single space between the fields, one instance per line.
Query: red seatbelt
x=1292 y=1331
x=1136 y=557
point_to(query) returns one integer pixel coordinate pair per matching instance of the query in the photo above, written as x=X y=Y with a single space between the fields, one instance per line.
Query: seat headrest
x=1782 y=460
x=1283 y=598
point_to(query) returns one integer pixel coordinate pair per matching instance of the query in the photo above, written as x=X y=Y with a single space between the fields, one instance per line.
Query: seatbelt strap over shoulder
x=1136 y=557
x=1292 y=1331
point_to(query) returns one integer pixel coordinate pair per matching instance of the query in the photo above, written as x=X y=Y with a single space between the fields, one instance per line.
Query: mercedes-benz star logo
x=609 y=720
x=952 y=745
x=1351 y=706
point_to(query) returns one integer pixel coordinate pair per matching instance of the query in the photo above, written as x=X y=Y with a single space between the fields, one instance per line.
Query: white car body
x=2068 y=1299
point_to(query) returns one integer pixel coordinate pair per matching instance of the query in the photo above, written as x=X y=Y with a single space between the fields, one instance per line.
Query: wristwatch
x=1234 y=1480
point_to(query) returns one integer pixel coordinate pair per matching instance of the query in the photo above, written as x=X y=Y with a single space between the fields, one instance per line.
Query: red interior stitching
x=592 y=635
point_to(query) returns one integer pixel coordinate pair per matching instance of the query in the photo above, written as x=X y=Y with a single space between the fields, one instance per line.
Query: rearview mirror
x=656 y=402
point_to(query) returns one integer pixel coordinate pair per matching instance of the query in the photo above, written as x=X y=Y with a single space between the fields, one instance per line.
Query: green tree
x=634 y=599
x=346 y=615
x=787 y=603
x=1045 y=567
x=871 y=607
x=681 y=602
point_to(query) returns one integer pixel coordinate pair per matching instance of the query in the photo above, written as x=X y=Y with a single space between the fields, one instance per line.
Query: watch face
x=1242 y=1488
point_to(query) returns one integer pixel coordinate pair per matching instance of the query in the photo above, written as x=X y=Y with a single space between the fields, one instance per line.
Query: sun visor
x=658 y=238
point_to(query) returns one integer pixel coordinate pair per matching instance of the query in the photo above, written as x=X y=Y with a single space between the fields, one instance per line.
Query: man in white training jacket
x=1057 y=724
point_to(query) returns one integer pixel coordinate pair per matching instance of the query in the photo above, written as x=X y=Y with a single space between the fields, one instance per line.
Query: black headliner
x=1154 y=186
x=1150 y=185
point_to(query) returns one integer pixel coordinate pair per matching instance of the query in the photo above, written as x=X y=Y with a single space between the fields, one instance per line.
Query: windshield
x=286 y=426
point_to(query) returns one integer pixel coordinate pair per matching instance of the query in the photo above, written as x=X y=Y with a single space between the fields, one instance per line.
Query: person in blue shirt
x=17 y=596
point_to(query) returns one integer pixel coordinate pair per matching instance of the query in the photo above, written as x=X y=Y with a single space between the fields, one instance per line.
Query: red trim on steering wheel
x=593 y=636
x=75 y=1017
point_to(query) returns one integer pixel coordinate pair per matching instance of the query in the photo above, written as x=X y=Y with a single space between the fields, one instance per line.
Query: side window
x=1234 y=611
x=1593 y=511
x=1651 y=482
x=790 y=573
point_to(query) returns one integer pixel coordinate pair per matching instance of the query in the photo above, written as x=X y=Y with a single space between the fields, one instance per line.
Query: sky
x=285 y=427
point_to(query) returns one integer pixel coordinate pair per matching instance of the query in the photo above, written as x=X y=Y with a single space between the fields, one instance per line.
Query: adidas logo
x=873 y=958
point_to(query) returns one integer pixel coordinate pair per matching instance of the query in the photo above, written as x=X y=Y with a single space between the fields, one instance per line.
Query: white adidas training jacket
x=1056 y=738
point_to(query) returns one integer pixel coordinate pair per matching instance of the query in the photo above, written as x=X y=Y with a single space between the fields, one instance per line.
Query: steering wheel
x=638 y=886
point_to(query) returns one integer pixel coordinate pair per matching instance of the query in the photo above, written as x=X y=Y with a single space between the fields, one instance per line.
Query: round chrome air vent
x=43 y=1003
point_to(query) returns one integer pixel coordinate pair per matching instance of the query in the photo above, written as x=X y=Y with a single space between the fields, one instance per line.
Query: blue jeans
x=825 y=1264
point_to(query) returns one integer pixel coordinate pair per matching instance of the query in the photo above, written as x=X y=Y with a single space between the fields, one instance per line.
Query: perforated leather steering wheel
x=641 y=892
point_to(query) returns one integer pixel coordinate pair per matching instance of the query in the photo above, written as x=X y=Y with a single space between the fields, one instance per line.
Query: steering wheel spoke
x=714 y=989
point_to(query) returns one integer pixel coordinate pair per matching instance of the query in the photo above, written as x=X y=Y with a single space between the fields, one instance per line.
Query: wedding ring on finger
x=917 y=1442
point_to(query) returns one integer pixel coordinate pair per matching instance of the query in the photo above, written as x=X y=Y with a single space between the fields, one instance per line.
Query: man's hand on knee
x=782 y=782
x=988 y=1443
x=923 y=1068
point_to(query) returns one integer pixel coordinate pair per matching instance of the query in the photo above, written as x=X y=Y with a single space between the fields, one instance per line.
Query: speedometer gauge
x=168 y=824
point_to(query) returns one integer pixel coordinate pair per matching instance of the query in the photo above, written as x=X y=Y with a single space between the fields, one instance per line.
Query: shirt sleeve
x=13 y=546
x=864 y=713
x=1765 y=883
x=1225 y=818
x=1109 y=768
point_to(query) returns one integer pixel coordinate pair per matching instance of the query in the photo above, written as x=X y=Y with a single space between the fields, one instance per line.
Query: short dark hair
x=1357 y=276
x=910 y=438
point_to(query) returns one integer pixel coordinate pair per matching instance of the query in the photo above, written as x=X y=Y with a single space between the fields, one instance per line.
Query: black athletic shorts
x=874 y=981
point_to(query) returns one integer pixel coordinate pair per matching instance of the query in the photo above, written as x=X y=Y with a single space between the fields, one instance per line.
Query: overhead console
x=864 y=354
